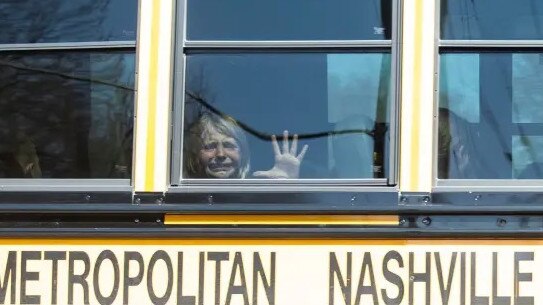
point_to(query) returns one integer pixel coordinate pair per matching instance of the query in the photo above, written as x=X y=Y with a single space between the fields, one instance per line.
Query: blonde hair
x=192 y=166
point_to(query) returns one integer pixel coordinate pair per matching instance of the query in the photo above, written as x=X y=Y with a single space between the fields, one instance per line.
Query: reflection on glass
x=289 y=20
x=463 y=88
x=528 y=88
x=37 y=21
x=528 y=157
x=488 y=130
x=491 y=19
x=279 y=115
x=66 y=114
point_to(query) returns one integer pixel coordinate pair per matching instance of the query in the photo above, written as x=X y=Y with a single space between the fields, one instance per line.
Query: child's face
x=220 y=155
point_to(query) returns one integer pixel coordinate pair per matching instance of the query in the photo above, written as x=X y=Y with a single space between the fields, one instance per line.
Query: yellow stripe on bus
x=153 y=79
x=415 y=119
x=270 y=219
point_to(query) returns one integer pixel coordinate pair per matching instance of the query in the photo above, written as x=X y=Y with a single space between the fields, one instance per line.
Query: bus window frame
x=183 y=46
x=446 y=46
x=38 y=185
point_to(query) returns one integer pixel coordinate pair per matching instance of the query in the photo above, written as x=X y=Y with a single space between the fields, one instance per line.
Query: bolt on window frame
x=184 y=46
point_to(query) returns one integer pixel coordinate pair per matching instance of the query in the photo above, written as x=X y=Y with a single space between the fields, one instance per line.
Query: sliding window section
x=67 y=87
x=490 y=125
x=286 y=92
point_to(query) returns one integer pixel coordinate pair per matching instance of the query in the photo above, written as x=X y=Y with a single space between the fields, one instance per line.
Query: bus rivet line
x=353 y=198
x=137 y=201
x=477 y=197
x=502 y=222
x=159 y=201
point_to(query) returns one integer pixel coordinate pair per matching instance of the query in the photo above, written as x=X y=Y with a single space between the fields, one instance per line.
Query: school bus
x=280 y=152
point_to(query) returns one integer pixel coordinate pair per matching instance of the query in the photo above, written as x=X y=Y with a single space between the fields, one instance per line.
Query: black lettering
x=393 y=278
x=345 y=285
x=258 y=272
x=106 y=255
x=182 y=299
x=445 y=288
x=475 y=299
x=419 y=277
x=27 y=276
x=522 y=277
x=10 y=275
x=80 y=279
x=218 y=257
x=160 y=255
x=54 y=257
x=237 y=267
x=363 y=289
x=497 y=300
x=128 y=280
x=201 y=274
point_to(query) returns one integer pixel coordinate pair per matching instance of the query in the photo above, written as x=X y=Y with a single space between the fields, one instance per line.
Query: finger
x=302 y=153
x=294 y=146
x=285 y=142
x=275 y=146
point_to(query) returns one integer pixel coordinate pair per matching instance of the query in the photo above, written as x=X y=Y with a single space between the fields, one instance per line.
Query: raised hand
x=287 y=162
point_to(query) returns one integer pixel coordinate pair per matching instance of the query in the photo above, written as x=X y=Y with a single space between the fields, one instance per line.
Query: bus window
x=66 y=114
x=264 y=101
x=332 y=102
x=490 y=120
x=491 y=19
x=67 y=74
x=35 y=21
x=288 y=20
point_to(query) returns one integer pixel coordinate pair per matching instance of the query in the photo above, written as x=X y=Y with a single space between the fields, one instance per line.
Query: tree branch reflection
x=266 y=136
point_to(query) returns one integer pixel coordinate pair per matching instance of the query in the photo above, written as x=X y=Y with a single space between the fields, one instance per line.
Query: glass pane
x=491 y=19
x=489 y=111
x=38 y=21
x=528 y=157
x=528 y=88
x=336 y=103
x=289 y=20
x=66 y=114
